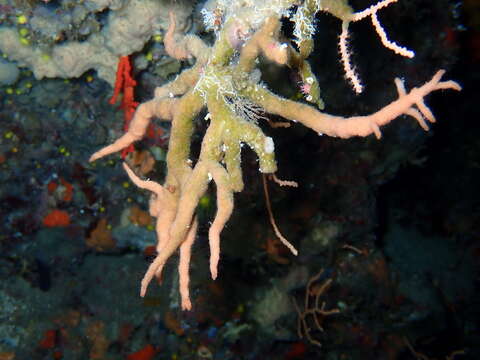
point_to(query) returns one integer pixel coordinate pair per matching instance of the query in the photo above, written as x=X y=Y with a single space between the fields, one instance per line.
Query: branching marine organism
x=224 y=79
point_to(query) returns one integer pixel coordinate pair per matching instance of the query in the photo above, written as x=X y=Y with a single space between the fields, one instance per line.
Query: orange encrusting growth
x=56 y=218
x=146 y=353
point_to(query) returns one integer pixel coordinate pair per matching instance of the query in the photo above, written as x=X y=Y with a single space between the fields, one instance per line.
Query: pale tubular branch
x=264 y=41
x=159 y=207
x=163 y=205
x=231 y=159
x=412 y=111
x=357 y=125
x=224 y=211
x=182 y=47
x=194 y=188
x=187 y=108
x=182 y=83
x=160 y=108
x=149 y=185
x=253 y=136
x=184 y=265
x=192 y=184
